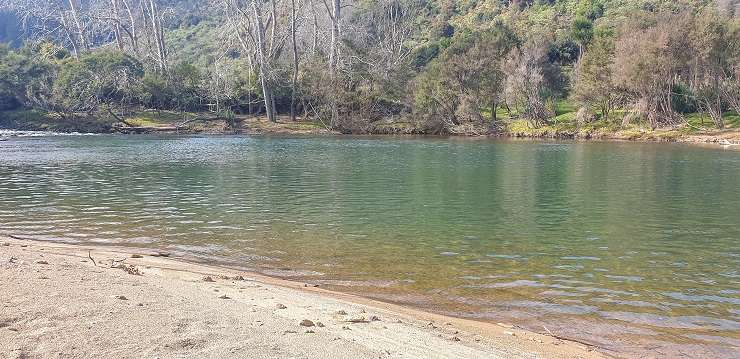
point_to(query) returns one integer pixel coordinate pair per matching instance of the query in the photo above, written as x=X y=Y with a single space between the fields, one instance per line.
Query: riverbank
x=695 y=130
x=84 y=301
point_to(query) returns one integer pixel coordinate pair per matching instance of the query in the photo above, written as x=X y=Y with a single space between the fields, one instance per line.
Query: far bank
x=695 y=129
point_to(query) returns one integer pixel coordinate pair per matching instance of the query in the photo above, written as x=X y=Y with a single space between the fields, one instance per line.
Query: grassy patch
x=16 y=118
x=151 y=118
x=39 y=120
x=283 y=125
x=564 y=107
x=564 y=124
x=702 y=123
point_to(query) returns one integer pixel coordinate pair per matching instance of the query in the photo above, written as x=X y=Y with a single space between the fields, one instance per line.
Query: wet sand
x=56 y=302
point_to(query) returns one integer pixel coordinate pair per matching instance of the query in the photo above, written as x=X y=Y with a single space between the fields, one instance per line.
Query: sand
x=54 y=302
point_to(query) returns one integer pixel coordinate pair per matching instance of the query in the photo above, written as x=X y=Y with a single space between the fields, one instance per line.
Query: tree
x=262 y=34
x=467 y=78
x=594 y=83
x=11 y=78
x=103 y=81
x=582 y=32
x=709 y=66
x=27 y=74
x=730 y=85
x=335 y=14
x=526 y=85
x=294 y=47
x=648 y=61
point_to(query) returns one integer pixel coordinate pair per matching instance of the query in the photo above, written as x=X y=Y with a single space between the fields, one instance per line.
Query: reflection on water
x=630 y=246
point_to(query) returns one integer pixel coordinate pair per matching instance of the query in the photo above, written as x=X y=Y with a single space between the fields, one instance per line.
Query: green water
x=634 y=247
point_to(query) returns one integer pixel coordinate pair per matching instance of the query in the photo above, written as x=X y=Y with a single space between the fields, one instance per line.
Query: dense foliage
x=431 y=66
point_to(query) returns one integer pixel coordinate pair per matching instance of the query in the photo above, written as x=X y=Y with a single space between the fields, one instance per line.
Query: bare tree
x=257 y=29
x=293 y=29
x=525 y=81
x=713 y=64
x=647 y=65
x=158 y=34
x=80 y=30
x=133 y=34
x=335 y=14
x=82 y=26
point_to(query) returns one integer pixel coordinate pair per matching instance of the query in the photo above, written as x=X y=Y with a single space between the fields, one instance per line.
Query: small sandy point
x=73 y=308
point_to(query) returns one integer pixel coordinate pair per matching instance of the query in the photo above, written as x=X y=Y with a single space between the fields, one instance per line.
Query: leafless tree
x=525 y=81
x=256 y=26
x=294 y=46
x=648 y=63
x=82 y=26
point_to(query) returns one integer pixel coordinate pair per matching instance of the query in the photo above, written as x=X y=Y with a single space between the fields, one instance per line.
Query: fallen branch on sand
x=115 y=263
x=549 y=333
x=130 y=269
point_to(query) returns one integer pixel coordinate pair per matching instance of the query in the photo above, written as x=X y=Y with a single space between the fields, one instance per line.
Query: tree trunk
x=148 y=46
x=80 y=31
x=158 y=36
x=75 y=52
x=335 y=18
x=719 y=121
x=336 y=13
x=117 y=25
x=315 y=41
x=266 y=90
x=133 y=34
x=605 y=110
x=250 y=63
x=494 y=115
x=295 y=59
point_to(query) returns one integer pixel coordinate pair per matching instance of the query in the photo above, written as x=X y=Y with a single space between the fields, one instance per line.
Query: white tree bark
x=262 y=59
x=78 y=24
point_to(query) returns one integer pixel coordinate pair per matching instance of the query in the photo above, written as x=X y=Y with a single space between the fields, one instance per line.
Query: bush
x=100 y=80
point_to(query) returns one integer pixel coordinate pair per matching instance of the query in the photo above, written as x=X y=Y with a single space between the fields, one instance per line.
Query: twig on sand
x=130 y=269
x=548 y=331
x=91 y=258
x=116 y=262
x=571 y=339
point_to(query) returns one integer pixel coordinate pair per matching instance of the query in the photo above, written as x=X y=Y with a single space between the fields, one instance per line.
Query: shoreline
x=170 y=123
x=369 y=326
x=701 y=140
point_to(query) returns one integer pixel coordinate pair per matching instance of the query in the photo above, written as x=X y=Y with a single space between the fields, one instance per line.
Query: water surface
x=634 y=247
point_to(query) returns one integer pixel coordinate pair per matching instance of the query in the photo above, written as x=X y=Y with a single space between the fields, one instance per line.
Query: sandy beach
x=56 y=302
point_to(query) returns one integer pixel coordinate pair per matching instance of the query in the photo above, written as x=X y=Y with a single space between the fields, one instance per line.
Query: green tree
x=531 y=82
x=100 y=81
x=649 y=58
x=9 y=84
x=582 y=32
x=711 y=66
x=594 y=84
x=27 y=74
x=466 y=79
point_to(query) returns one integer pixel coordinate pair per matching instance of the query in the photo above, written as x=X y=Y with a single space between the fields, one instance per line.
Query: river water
x=634 y=247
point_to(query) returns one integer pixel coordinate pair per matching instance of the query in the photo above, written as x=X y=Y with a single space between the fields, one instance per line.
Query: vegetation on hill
x=522 y=67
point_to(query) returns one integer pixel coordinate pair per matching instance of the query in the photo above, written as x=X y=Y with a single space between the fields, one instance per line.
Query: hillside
x=570 y=68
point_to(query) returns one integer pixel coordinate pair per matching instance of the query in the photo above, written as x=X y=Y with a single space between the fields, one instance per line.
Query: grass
x=564 y=124
x=701 y=121
x=39 y=120
x=154 y=118
x=564 y=107
x=25 y=117
x=284 y=125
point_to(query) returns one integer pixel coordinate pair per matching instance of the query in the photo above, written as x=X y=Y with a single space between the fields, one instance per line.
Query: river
x=634 y=247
